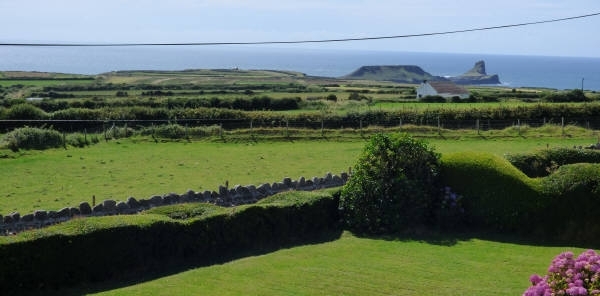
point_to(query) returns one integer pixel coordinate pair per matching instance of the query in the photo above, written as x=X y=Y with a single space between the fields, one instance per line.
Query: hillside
x=399 y=73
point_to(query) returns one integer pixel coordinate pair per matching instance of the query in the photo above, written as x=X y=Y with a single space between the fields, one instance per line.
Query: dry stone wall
x=225 y=196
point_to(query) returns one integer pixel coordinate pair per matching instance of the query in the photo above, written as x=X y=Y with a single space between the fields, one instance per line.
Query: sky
x=187 y=21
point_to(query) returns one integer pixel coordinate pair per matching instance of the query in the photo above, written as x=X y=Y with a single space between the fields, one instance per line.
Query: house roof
x=447 y=87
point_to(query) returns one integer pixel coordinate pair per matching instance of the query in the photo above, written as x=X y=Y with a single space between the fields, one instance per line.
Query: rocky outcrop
x=414 y=74
x=476 y=75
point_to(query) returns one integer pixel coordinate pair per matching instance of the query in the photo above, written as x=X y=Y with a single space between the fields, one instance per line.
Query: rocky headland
x=476 y=75
x=415 y=74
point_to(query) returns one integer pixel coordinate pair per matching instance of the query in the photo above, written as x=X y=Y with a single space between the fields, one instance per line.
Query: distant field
x=44 y=82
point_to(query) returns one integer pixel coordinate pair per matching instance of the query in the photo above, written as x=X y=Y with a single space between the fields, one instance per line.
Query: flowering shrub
x=451 y=211
x=569 y=276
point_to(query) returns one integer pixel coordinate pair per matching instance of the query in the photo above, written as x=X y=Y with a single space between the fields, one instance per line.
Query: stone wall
x=225 y=196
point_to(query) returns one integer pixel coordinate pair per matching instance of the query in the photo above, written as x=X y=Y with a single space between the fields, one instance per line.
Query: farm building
x=446 y=89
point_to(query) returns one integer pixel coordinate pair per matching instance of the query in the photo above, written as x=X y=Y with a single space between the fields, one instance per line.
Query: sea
x=513 y=70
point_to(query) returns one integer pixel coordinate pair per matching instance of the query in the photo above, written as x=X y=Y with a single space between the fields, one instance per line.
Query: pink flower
x=569 y=276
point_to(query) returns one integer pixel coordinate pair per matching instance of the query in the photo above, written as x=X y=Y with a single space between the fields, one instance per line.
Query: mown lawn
x=362 y=266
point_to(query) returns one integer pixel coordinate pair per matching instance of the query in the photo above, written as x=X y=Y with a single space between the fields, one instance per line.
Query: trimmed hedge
x=543 y=162
x=119 y=247
x=572 y=203
x=497 y=196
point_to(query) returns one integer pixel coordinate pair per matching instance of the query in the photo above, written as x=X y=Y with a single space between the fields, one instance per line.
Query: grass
x=362 y=266
x=57 y=178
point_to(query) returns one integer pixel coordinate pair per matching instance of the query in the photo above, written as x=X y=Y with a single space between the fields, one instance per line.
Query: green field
x=362 y=266
x=57 y=178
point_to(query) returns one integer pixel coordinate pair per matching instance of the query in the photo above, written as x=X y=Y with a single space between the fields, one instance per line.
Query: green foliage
x=355 y=96
x=433 y=99
x=32 y=138
x=97 y=249
x=176 y=131
x=496 y=195
x=543 y=162
x=24 y=111
x=394 y=186
x=186 y=210
x=81 y=139
x=572 y=199
x=575 y=95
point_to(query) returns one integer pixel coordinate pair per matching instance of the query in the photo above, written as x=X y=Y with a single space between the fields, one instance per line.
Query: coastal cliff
x=400 y=73
x=414 y=74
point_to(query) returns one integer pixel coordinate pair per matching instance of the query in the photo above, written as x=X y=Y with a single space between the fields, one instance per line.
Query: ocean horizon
x=513 y=70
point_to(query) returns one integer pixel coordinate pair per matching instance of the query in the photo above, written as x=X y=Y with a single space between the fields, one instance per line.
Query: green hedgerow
x=32 y=138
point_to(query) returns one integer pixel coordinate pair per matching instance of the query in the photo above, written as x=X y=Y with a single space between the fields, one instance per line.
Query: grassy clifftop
x=399 y=73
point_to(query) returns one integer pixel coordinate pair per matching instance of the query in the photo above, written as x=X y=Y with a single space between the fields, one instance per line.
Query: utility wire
x=301 y=41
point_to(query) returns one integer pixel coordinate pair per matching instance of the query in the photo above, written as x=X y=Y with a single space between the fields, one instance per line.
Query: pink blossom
x=569 y=276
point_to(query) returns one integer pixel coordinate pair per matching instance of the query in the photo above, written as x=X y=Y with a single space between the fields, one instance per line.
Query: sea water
x=514 y=71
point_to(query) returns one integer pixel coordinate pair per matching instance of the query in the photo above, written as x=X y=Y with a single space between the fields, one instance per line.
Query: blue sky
x=138 y=21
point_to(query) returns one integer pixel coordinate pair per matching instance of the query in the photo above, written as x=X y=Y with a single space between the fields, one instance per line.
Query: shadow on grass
x=451 y=238
x=178 y=266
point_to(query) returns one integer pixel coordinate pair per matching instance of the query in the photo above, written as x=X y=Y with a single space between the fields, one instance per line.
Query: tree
x=394 y=186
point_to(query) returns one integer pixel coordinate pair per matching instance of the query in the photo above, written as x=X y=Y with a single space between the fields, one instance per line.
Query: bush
x=394 y=186
x=81 y=140
x=544 y=162
x=575 y=95
x=25 y=111
x=433 y=99
x=569 y=276
x=32 y=138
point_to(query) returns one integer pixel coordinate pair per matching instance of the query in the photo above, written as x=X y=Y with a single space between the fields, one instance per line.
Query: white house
x=446 y=89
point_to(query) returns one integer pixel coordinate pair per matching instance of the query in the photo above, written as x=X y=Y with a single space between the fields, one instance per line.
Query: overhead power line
x=303 y=41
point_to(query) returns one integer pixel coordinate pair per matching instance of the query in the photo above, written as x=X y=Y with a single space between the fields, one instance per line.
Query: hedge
x=497 y=196
x=543 y=162
x=571 y=203
x=119 y=247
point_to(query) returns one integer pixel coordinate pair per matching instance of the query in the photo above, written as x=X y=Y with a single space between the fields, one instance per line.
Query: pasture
x=57 y=178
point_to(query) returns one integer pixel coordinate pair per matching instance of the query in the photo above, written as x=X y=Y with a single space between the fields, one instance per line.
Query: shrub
x=575 y=95
x=81 y=140
x=24 y=111
x=569 y=276
x=77 y=114
x=394 y=186
x=32 y=138
x=432 y=99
